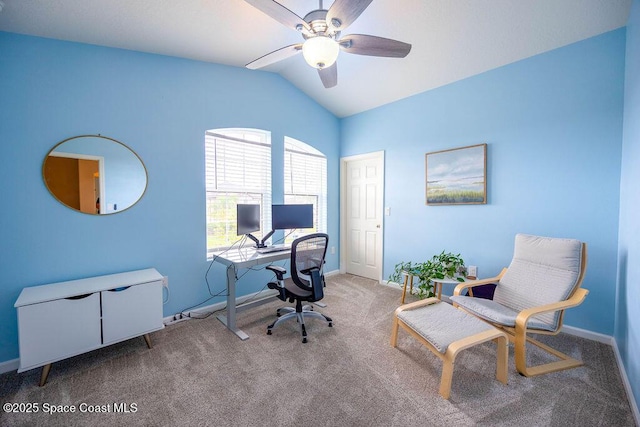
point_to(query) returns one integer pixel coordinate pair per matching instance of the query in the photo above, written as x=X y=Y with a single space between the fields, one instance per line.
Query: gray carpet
x=198 y=373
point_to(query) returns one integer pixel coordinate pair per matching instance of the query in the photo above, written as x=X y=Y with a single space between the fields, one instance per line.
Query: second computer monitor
x=285 y=217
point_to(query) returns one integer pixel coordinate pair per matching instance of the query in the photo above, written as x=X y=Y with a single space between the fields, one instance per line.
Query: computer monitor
x=285 y=217
x=248 y=219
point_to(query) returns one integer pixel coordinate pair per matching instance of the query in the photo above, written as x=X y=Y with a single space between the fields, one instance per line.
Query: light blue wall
x=627 y=331
x=553 y=125
x=160 y=107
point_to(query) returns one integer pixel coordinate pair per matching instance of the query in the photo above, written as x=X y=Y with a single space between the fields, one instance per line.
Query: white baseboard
x=169 y=320
x=583 y=333
x=625 y=381
x=9 y=365
x=606 y=339
x=391 y=284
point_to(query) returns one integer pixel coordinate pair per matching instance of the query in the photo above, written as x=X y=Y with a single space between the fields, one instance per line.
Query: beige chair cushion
x=441 y=324
x=544 y=270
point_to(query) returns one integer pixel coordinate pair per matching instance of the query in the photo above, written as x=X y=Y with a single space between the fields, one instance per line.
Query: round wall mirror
x=94 y=174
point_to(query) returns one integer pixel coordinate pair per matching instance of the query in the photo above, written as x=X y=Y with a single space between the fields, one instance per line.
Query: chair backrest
x=307 y=260
x=544 y=270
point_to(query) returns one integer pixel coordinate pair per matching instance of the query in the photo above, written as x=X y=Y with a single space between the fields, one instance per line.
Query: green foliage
x=455 y=196
x=444 y=265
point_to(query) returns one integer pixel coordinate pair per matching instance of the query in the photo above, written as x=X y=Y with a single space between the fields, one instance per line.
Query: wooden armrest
x=465 y=285
x=416 y=304
x=576 y=299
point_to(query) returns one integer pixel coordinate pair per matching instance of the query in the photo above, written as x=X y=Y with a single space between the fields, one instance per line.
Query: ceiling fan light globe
x=320 y=52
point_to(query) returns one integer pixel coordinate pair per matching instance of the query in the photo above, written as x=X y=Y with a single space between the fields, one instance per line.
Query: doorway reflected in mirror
x=94 y=174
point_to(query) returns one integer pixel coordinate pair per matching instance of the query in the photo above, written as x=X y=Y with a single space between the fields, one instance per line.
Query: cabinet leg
x=45 y=374
x=147 y=339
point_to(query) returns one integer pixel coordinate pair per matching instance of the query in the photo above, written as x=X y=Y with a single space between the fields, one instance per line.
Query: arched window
x=305 y=181
x=238 y=170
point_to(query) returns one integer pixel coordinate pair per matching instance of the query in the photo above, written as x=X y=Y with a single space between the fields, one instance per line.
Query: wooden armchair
x=542 y=281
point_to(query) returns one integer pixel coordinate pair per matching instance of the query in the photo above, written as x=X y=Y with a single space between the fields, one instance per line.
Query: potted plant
x=443 y=266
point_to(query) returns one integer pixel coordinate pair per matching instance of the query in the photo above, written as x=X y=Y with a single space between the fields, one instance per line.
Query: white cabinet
x=131 y=312
x=65 y=319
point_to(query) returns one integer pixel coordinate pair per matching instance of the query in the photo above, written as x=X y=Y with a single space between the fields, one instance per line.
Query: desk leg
x=230 y=319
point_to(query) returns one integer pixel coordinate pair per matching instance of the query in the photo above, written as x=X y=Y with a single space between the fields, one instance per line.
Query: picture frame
x=457 y=176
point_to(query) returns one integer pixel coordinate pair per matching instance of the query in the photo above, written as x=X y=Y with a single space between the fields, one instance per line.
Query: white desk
x=236 y=259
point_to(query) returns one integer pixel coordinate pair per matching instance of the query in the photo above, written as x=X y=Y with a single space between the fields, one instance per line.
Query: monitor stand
x=260 y=243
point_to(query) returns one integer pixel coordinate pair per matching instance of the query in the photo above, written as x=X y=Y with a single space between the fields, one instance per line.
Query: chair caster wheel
x=330 y=325
x=304 y=340
x=268 y=331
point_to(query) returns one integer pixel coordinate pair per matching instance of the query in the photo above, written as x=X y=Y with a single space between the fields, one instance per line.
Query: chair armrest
x=416 y=304
x=466 y=285
x=317 y=283
x=307 y=271
x=576 y=299
x=279 y=271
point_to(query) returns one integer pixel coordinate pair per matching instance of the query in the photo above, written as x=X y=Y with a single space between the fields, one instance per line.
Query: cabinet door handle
x=80 y=296
x=120 y=289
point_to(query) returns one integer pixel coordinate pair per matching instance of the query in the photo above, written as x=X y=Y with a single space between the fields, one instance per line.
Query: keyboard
x=274 y=248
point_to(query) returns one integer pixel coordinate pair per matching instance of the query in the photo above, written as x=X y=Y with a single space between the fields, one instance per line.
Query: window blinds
x=305 y=174
x=237 y=165
x=237 y=170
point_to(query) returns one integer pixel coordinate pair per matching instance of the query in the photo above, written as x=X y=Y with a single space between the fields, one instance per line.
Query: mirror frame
x=144 y=168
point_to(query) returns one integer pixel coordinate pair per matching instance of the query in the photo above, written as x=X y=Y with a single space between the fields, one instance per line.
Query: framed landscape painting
x=457 y=176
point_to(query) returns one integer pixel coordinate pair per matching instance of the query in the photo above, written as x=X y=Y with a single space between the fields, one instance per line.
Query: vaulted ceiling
x=451 y=39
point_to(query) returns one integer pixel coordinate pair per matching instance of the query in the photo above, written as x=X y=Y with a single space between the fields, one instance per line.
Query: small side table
x=408 y=279
x=437 y=284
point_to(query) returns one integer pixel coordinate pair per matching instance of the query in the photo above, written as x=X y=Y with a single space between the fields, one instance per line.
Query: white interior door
x=362 y=189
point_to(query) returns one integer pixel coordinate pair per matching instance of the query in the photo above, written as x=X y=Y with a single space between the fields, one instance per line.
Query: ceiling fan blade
x=342 y=13
x=279 y=13
x=275 y=56
x=362 y=44
x=329 y=75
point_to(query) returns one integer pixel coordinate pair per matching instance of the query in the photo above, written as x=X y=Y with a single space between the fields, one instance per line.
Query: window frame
x=225 y=178
x=303 y=189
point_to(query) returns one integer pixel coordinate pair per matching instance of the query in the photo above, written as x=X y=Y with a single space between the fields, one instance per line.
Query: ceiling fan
x=321 y=30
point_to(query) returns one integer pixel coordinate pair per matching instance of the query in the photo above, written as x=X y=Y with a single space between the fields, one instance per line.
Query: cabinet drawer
x=131 y=311
x=54 y=330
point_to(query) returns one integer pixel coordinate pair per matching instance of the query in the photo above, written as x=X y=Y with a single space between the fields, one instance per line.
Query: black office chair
x=306 y=282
